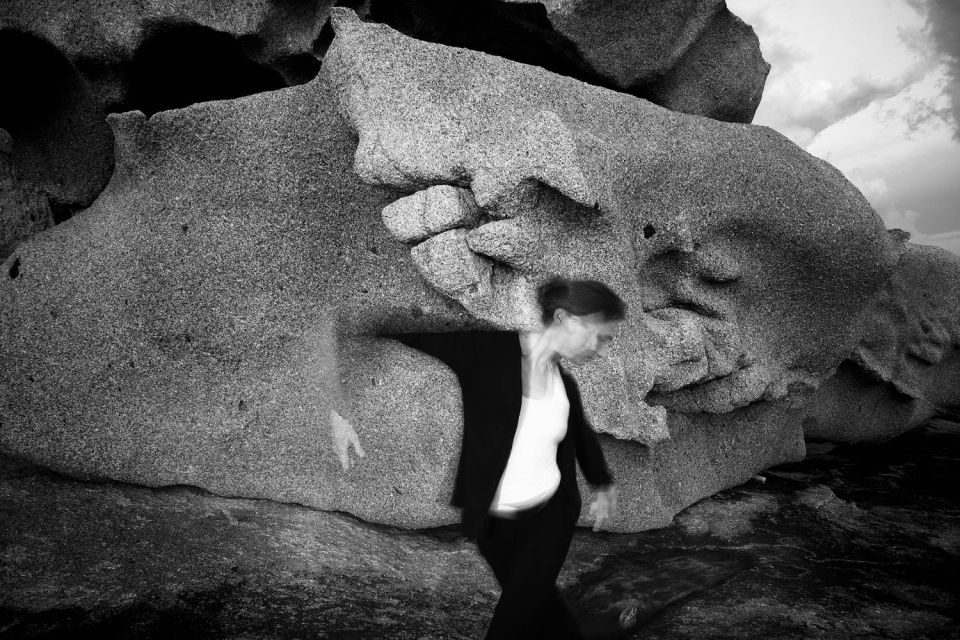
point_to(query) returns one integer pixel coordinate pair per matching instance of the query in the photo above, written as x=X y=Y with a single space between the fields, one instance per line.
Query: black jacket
x=487 y=364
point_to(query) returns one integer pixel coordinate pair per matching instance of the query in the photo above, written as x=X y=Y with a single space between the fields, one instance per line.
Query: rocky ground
x=855 y=542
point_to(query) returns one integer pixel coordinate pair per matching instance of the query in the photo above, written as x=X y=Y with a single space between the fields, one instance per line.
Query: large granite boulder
x=724 y=235
x=198 y=323
x=181 y=330
x=91 y=57
x=906 y=367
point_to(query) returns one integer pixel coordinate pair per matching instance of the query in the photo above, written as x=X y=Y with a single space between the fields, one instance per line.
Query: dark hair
x=579 y=297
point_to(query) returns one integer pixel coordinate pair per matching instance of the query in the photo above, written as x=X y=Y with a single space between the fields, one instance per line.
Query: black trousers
x=526 y=554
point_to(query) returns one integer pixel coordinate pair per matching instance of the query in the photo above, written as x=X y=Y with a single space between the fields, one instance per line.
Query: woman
x=523 y=427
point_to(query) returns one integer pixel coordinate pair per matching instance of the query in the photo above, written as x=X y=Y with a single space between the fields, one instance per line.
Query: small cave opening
x=649 y=231
x=62 y=211
x=180 y=64
x=14 y=271
x=298 y=68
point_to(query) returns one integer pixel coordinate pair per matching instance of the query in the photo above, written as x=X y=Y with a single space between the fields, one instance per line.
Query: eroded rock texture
x=181 y=329
x=67 y=64
x=199 y=321
x=906 y=367
x=692 y=56
x=726 y=236
x=132 y=52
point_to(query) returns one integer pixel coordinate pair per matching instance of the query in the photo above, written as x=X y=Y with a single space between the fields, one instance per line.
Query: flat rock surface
x=857 y=542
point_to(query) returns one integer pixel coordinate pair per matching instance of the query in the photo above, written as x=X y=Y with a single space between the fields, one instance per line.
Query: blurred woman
x=523 y=428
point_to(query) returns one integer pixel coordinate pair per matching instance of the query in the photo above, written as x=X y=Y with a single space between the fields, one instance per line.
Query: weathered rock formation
x=181 y=330
x=906 y=367
x=68 y=64
x=698 y=223
x=198 y=322
x=692 y=56
x=217 y=51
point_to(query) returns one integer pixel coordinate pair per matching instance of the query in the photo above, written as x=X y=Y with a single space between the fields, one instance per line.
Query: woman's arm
x=586 y=444
x=451 y=348
x=592 y=461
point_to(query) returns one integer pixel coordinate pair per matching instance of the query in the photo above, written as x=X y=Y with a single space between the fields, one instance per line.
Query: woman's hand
x=343 y=435
x=604 y=505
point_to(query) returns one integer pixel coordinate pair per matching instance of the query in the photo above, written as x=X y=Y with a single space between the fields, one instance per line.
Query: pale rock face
x=199 y=321
x=906 y=367
x=186 y=328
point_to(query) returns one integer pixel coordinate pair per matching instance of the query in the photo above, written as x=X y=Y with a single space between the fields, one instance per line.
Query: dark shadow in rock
x=298 y=68
x=181 y=64
x=922 y=464
x=519 y=32
x=61 y=143
x=857 y=541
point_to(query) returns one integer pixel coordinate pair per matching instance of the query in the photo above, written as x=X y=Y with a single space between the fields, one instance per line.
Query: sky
x=873 y=87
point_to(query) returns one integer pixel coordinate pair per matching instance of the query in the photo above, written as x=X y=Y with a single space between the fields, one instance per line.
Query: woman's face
x=584 y=338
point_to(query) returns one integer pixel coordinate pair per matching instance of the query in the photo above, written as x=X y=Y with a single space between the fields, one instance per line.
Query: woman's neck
x=539 y=347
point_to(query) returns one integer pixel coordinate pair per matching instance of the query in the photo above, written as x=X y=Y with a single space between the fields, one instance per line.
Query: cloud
x=907 y=220
x=944 y=20
x=877 y=192
x=802 y=109
x=778 y=46
x=832 y=62
x=784 y=56
x=842 y=101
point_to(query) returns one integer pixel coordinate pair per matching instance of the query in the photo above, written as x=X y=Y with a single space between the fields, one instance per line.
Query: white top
x=532 y=475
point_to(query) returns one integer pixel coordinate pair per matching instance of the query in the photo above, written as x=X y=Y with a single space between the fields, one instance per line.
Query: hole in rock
x=648 y=231
x=181 y=64
x=63 y=210
x=300 y=68
x=15 y=269
x=324 y=38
